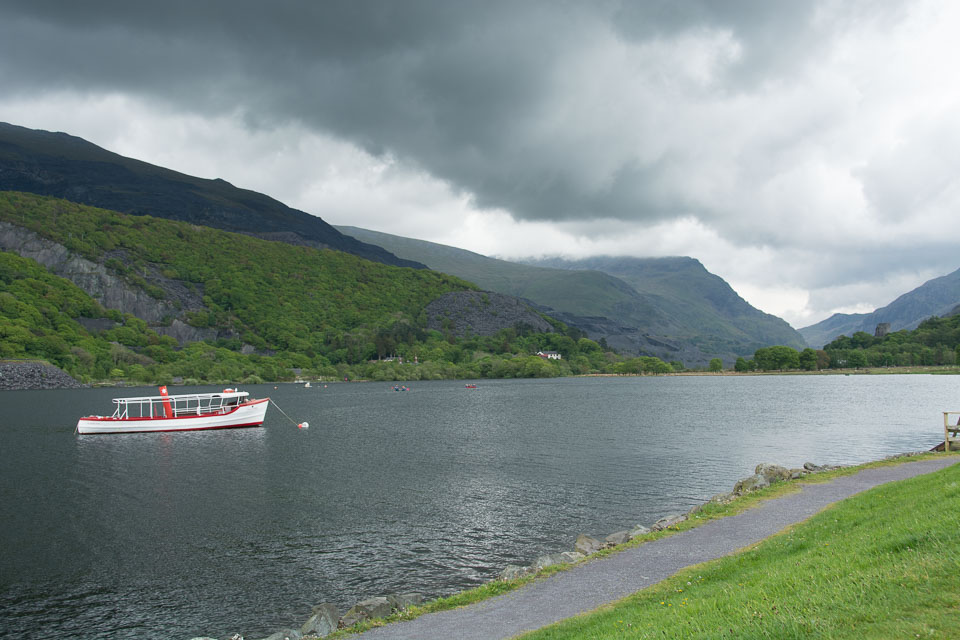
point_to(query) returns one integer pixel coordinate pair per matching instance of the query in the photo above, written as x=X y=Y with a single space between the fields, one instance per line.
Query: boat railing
x=179 y=406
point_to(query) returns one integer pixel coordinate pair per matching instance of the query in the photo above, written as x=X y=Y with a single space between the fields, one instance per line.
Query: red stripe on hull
x=229 y=426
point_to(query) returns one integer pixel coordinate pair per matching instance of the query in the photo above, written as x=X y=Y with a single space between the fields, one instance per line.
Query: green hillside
x=583 y=293
x=669 y=307
x=268 y=307
x=706 y=309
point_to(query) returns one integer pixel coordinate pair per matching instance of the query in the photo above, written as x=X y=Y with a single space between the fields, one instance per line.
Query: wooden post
x=946 y=431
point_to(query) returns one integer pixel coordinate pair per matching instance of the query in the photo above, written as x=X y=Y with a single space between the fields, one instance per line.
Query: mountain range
x=672 y=308
x=936 y=297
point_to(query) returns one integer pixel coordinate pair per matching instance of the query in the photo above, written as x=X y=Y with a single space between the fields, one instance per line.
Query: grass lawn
x=883 y=564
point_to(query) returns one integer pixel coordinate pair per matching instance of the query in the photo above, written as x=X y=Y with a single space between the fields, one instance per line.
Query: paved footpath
x=592 y=584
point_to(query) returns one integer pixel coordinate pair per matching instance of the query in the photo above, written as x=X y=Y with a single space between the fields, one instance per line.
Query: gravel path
x=592 y=584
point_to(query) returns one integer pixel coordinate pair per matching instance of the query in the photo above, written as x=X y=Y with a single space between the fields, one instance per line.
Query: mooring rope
x=301 y=425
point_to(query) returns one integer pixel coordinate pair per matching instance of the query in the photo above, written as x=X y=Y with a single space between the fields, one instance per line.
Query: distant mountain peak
x=937 y=297
x=670 y=307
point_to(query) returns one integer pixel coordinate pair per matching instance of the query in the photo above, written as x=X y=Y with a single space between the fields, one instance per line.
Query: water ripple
x=433 y=490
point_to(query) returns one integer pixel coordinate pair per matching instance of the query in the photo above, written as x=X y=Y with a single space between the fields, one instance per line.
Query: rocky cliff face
x=482 y=313
x=109 y=289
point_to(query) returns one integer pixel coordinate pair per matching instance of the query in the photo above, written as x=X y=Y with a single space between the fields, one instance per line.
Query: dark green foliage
x=808 y=359
x=291 y=298
x=934 y=342
x=778 y=358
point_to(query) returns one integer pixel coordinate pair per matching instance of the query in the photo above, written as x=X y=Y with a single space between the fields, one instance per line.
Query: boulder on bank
x=668 y=521
x=813 y=468
x=721 y=498
x=587 y=545
x=323 y=622
x=772 y=472
x=403 y=601
x=514 y=571
x=753 y=483
x=638 y=531
x=565 y=557
x=619 y=537
x=364 y=610
x=548 y=560
x=285 y=634
x=378 y=607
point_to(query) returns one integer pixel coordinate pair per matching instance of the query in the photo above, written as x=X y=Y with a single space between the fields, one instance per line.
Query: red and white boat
x=227 y=409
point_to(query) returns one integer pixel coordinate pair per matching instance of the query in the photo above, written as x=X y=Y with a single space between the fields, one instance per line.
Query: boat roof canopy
x=226 y=393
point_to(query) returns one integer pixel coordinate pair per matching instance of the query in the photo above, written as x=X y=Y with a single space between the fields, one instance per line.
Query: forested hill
x=64 y=166
x=105 y=295
x=186 y=283
x=672 y=308
x=936 y=297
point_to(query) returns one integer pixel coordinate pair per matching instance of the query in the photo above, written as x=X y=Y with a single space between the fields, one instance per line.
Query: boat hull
x=249 y=414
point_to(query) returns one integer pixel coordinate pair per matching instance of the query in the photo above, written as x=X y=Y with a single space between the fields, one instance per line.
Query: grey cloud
x=472 y=92
x=452 y=87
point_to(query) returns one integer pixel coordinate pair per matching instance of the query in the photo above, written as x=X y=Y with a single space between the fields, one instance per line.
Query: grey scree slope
x=595 y=583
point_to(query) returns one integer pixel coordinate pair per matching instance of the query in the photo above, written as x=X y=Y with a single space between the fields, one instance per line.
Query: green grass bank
x=882 y=564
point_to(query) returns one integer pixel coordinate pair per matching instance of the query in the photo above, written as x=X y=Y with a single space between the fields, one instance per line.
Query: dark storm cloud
x=454 y=87
x=549 y=110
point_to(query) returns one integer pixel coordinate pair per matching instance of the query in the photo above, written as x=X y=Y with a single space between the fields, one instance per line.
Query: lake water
x=431 y=490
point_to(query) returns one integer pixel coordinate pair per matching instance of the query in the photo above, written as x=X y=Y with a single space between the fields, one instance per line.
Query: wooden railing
x=951 y=431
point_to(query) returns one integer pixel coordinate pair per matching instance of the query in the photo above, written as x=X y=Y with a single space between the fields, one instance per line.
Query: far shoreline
x=44 y=376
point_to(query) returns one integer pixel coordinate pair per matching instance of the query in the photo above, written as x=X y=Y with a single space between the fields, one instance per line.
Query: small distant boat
x=306 y=386
x=227 y=409
x=470 y=386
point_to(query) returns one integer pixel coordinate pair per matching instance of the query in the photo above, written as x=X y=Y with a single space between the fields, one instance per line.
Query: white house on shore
x=550 y=355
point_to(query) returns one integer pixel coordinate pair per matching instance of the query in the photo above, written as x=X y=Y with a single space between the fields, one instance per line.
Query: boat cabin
x=181 y=405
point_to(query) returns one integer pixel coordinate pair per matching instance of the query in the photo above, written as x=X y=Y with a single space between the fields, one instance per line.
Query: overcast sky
x=807 y=152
